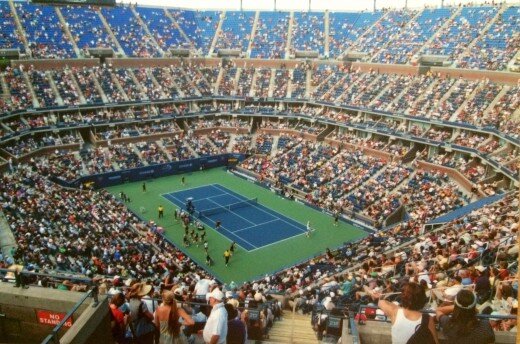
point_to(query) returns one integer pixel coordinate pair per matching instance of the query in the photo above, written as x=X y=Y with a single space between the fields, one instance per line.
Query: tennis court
x=245 y=221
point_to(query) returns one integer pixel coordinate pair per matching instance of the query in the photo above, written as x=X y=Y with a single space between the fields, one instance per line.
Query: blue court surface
x=251 y=226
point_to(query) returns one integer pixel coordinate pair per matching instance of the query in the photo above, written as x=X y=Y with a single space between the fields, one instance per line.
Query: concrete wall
x=500 y=77
x=375 y=332
x=55 y=64
x=92 y=327
x=20 y=324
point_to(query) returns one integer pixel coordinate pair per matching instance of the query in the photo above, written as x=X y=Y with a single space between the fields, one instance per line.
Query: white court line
x=279 y=241
x=231 y=211
x=281 y=215
x=260 y=224
x=197 y=187
x=224 y=194
x=239 y=237
x=224 y=228
x=232 y=233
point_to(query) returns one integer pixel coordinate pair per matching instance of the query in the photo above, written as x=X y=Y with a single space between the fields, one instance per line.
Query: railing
x=353 y=331
x=54 y=336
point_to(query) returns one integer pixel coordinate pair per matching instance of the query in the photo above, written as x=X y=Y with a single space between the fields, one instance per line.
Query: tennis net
x=224 y=208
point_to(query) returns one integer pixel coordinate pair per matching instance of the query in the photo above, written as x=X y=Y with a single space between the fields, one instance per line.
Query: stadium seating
x=346 y=28
x=416 y=32
x=391 y=145
x=130 y=34
x=8 y=37
x=271 y=35
x=236 y=31
x=495 y=47
x=86 y=27
x=161 y=27
x=308 y=32
x=467 y=26
x=43 y=31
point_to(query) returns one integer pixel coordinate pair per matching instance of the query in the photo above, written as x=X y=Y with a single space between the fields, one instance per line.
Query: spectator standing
x=161 y=211
x=463 y=326
x=118 y=318
x=166 y=319
x=236 y=328
x=227 y=254
x=216 y=328
x=141 y=319
x=407 y=317
x=232 y=247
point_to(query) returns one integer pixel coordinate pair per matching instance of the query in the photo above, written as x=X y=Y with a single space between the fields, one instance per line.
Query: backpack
x=422 y=334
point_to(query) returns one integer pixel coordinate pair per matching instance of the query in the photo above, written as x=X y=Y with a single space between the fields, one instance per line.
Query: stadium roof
x=318 y=5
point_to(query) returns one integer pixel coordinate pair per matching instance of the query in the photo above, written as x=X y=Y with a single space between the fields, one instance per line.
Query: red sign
x=52 y=318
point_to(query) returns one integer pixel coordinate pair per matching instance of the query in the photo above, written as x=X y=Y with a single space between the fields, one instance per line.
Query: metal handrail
x=53 y=337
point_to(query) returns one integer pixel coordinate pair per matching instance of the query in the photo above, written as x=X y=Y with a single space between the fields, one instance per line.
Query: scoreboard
x=77 y=2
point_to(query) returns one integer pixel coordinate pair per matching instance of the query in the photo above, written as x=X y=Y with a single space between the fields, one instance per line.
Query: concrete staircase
x=499 y=96
x=219 y=79
x=139 y=86
x=253 y=33
x=289 y=36
x=6 y=95
x=147 y=30
x=72 y=78
x=513 y=60
x=390 y=39
x=19 y=27
x=326 y=49
x=111 y=33
x=294 y=328
x=271 y=82
x=483 y=32
x=289 y=83
x=28 y=82
x=308 y=84
x=422 y=95
x=54 y=88
x=367 y=31
x=66 y=31
x=178 y=27
x=440 y=30
x=116 y=82
x=98 y=87
x=466 y=102
x=218 y=31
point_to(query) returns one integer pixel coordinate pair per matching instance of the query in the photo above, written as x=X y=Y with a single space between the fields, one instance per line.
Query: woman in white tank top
x=407 y=317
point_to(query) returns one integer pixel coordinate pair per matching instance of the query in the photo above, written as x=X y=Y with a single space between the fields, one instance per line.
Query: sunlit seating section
x=43 y=31
x=236 y=30
x=129 y=32
x=161 y=27
x=86 y=27
x=271 y=35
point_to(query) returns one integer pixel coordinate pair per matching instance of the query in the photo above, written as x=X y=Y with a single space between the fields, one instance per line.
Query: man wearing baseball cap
x=215 y=330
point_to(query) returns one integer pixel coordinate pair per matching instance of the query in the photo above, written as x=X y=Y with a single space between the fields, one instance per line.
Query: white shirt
x=216 y=324
x=202 y=287
x=403 y=328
